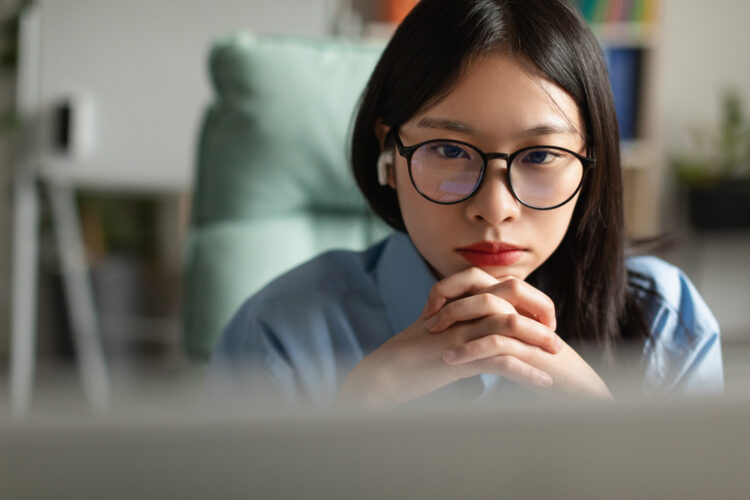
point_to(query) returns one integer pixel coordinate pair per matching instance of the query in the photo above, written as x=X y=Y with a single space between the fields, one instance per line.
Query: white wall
x=704 y=48
x=142 y=64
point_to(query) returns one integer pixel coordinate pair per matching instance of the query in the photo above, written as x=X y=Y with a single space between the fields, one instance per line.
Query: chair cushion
x=273 y=185
x=275 y=140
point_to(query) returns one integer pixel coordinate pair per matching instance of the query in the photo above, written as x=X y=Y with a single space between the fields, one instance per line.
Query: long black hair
x=586 y=276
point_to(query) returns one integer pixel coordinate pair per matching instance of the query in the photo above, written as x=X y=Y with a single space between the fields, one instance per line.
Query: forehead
x=501 y=95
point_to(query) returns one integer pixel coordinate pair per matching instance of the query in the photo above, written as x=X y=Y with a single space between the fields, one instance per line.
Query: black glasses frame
x=408 y=151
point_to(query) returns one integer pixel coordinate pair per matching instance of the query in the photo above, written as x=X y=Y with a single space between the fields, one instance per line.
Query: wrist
x=366 y=390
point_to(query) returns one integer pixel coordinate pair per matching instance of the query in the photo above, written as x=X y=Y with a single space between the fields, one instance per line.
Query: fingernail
x=544 y=380
x=449 y=355
x=432 y=322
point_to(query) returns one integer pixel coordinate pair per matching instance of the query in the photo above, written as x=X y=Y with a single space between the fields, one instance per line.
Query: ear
x=391 y=176
x=386 y=173
x=381 y=132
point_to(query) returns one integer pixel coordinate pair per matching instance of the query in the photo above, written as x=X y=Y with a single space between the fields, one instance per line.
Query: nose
x=494 y=202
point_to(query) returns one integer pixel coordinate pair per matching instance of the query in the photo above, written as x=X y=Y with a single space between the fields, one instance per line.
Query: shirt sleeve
x=703 y=371
x=705 y=374
x=250 y=364
x=683 y=355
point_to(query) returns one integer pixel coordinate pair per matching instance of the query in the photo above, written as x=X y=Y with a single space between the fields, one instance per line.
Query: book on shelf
x=395 y=11
x=624 y=65
x=618 y=11
x=614 y=11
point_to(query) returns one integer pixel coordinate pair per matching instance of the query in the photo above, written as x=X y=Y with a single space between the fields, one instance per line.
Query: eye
x=450 y=151
x=540 y=156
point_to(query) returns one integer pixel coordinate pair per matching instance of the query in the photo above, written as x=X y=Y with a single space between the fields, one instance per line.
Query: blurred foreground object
x=677 y=449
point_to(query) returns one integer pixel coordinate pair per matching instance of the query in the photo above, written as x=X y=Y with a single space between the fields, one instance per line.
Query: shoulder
x=332 y=272
x=684 y=338
x=665 y=286
x=333 y=280
x=289 y=333
x=663 y=274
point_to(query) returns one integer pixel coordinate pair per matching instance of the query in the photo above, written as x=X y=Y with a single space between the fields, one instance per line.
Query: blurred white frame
x=133 y=74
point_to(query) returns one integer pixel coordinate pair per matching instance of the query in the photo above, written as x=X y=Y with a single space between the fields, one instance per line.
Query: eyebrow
x=548 y=129
x=441 y=123
x=456 y=126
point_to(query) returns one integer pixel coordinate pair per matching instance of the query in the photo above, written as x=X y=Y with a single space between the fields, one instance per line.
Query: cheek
x=428 y=225
x=550 y=227
x=414 y=208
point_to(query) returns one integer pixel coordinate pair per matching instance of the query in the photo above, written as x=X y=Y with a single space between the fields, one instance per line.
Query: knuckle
x=515 y=365
x=467 y=351
x=504 y=363
x=495 y=324
x=431 y=296
x=505 y=307
x=552 y=340
x=530 y=373
x=497 y=342
x=436 y=319
x=445 y=311
x=487 y=300
x=511 y=321
x=531 y=356
x=514 y=285
x=449 y=311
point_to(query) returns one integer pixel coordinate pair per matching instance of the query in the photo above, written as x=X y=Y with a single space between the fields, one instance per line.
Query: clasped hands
x=474 y=323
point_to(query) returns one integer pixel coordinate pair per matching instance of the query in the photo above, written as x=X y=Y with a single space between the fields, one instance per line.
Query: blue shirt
x=304 y=332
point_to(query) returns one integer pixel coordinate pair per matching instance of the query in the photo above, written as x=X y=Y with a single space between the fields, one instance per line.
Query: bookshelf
x=629 y=33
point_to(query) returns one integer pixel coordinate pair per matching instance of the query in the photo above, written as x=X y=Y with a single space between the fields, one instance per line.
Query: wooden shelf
x=626 y=34
x=639 y=155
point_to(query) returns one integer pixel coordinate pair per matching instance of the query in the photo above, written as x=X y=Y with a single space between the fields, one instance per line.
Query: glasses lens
x=446 y=171
x=545 y=177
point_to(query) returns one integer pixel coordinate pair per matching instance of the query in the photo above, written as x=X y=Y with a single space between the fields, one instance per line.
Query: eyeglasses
x=539 y=177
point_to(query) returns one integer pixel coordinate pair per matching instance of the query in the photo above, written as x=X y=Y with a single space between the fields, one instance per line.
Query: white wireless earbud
x=385 y=161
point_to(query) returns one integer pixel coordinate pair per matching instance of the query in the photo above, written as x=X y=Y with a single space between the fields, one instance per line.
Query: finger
x=468 y=308
x=513 y=369
x=530 y=332
x=527 y=300
x=488 y=347
x=467 y=282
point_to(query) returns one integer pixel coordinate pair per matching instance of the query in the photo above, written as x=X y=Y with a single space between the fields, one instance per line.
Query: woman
x=487 y=138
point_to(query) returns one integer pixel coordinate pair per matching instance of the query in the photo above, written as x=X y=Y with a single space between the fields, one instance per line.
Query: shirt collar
x=404 y=280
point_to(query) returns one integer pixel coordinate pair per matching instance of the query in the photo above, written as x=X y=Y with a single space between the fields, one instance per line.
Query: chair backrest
x=273 y=186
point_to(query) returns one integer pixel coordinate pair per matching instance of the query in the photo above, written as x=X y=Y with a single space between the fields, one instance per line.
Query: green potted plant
x=716 y=172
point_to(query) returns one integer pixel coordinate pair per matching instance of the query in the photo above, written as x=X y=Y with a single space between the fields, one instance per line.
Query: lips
x=491 y=253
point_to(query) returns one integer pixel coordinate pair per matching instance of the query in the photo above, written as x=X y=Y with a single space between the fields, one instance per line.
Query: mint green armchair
x=273 y=185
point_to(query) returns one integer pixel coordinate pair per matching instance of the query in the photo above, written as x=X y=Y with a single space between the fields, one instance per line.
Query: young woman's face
x=498 y=106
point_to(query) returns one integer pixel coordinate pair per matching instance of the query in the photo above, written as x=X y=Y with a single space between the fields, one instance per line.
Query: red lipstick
x=491 y=253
